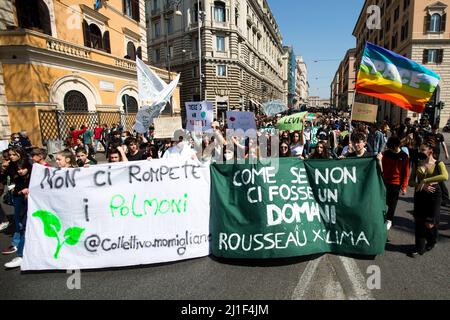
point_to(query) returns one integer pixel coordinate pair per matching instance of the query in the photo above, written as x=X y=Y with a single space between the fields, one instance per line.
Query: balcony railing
x=126 y=64
x=39 y=40
x=69 y=49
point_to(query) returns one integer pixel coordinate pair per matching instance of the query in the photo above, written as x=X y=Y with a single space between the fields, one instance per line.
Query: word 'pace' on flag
x=389 y=76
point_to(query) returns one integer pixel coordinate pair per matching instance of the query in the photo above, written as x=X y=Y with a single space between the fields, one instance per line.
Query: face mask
x=422 y=156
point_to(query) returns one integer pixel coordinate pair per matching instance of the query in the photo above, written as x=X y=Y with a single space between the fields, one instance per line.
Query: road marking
x=357 y=280
x=305 y=280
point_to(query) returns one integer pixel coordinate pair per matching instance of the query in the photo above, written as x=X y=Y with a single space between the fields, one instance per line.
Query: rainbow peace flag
x=389 y=76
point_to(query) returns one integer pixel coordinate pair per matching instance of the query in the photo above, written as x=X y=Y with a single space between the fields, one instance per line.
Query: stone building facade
x=241 y=51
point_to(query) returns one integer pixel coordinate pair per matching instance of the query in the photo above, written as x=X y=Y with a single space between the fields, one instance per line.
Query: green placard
x=298 y=208
x=292 y=123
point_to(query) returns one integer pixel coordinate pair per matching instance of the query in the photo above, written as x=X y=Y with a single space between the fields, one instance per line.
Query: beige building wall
x=302 y=81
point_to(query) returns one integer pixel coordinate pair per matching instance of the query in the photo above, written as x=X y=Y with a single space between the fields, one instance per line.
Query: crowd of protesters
x=408 y=155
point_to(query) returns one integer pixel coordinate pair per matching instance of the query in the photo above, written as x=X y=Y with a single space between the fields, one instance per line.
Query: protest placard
x=239 y=120
x=199 y=116
x=365 y=112
x=297 y=208
x=117 y=215
x=292 y=123
x=272 y=108
x=165 y=127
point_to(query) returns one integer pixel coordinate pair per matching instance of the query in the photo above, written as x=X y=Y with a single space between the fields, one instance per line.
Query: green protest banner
x=292 y=123
x=298 y=208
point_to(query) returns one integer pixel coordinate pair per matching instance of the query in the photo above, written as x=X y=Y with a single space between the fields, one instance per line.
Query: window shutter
x=425 y=56
x=135 y=9
x=106 y=42
x=139 y=52
x=124 y=6
x=443 y=22
x=427 y=23
x=86 y=34
x=440 y=55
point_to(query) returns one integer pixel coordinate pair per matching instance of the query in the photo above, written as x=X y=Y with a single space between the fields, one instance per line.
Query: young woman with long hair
x=426 y=177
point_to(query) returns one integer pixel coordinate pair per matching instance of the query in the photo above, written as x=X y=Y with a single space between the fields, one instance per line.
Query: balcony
x=250 y=20
x=69 y=49
x=168 y=8
x=193 y=26
x=21 y=40
x=156 y=12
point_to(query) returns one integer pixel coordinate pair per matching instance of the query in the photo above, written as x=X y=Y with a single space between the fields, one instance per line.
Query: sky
x=318 y=30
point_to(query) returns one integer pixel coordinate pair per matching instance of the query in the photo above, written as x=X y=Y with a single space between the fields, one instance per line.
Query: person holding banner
x=117 y=155
x=134 y=154
x=39 y=156
x=285 y=150
x=82 y=158
x=66 y=159
x=297 y=144
x=20 y=196
x=426 y=178
x=358 y=142
x=321 y=151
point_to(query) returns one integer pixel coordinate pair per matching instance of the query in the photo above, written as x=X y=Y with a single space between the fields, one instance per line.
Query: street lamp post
x=174 y=5
x=200 y=15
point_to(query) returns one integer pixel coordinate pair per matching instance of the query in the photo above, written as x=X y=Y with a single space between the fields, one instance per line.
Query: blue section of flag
x=98 y=4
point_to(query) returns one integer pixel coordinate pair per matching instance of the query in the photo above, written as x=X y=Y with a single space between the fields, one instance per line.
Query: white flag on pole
x=154 y=93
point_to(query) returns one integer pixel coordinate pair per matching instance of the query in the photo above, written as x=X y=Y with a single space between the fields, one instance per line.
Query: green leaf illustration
x=72 y=235
x=52 y=225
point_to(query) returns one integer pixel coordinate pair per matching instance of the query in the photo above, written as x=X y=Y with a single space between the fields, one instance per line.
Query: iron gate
x=55 y=125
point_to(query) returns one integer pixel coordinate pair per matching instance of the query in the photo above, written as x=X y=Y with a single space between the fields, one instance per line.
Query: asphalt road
x=317 y=277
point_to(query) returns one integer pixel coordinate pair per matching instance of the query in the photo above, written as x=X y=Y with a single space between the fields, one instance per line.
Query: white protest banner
x=199 y=115
x=165 y=127
x=117 y=215
x=241 y=120
x=3 y=145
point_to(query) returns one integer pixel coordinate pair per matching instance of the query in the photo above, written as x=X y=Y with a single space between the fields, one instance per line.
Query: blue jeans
x=23 y=225
x=20 y=210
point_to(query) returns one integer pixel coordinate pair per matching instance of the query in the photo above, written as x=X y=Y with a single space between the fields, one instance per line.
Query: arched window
x=131 y=51
x=130 y=104
x=435 y=24
x=219 y=11
x=34 y=14
x=75 y=101
x=96 y=37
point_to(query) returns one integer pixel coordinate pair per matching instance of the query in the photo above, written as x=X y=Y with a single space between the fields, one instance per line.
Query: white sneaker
x=14 y=263
x=4 y=225
x=389 y=225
